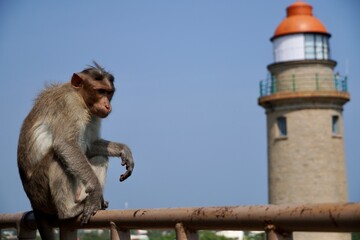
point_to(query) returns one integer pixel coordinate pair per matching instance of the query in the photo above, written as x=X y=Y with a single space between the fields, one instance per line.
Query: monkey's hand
x=126 y=160
x=93 y=202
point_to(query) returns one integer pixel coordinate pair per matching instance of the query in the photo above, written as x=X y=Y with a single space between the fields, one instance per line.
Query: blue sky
x=187 y=77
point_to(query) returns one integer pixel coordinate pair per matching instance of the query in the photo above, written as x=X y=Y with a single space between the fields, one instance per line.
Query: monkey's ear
x=76 y=81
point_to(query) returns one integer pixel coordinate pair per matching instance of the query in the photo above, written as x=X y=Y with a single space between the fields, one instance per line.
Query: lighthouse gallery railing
x=303 y=82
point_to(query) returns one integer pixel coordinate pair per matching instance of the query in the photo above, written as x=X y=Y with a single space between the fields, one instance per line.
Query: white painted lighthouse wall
x=289 y=48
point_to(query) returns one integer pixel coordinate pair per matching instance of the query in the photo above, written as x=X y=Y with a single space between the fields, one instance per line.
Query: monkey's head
x=96 y=86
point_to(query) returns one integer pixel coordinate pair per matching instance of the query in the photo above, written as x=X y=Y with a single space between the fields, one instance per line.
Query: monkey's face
x=102 y=107
x=97 y=94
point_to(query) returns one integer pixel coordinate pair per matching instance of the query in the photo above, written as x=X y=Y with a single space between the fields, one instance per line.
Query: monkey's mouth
x=103 y=114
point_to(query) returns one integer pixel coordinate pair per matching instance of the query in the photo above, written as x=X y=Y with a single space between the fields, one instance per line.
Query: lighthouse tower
x=303 y=99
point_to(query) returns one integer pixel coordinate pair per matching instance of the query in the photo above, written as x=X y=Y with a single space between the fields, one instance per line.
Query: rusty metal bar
x=273 y=234
x=11 y=220
x=192 y=235
x=26 y=234
x=180 y=232
x=67 y=233
x=114 y=234
x=23 y=222
x=286 y=218
x=118 y=234
x=27 y=227
x=313 y=217
x=184 y=234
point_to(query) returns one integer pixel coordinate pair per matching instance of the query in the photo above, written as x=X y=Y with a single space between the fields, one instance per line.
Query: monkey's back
x=48 y=121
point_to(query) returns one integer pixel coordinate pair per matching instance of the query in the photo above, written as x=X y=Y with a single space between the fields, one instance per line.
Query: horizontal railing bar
x=10 y=220
x=310 y=217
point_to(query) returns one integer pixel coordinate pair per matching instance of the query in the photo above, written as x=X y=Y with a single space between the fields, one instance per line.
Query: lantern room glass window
x=316 y=46
x=301 y=46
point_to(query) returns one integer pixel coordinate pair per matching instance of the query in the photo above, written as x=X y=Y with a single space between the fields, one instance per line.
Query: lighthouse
x=303 y=98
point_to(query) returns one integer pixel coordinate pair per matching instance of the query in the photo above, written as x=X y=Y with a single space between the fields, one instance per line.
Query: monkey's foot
x=104 y=205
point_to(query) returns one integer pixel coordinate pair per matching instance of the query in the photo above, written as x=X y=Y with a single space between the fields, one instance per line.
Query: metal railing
x=278 y=221
x=303 y=82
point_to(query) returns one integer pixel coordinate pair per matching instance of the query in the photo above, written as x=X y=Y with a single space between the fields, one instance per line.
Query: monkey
x=61 y=157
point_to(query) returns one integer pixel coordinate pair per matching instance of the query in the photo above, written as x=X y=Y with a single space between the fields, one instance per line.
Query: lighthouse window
x=281 y=123
x=335 y=125
x=316 y=46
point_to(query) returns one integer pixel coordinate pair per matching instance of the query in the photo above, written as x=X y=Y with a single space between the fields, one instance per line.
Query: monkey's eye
x=98 y=76
x=105 y=92
x=102 y=91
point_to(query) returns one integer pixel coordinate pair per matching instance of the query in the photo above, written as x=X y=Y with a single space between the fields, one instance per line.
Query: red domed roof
x=299 y=20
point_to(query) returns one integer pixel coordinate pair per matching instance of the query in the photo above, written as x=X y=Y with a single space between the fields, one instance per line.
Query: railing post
x=293 y=83
x=273 y=84
x=117 y=234
x=317 y=81
x=345 y=87
x=26 y=234
x=193 y=235
x=183 y=234
x=26 y=229
x=67 y=231
x=67 y=234
x=336 y=82
x=272 y=234
x=180 y=232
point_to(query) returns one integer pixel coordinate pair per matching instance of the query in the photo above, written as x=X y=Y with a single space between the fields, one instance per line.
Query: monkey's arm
x=112 y=149
x=77 y=164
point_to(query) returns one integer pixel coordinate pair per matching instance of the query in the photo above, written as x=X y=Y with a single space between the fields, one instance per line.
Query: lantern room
x=300 y=36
